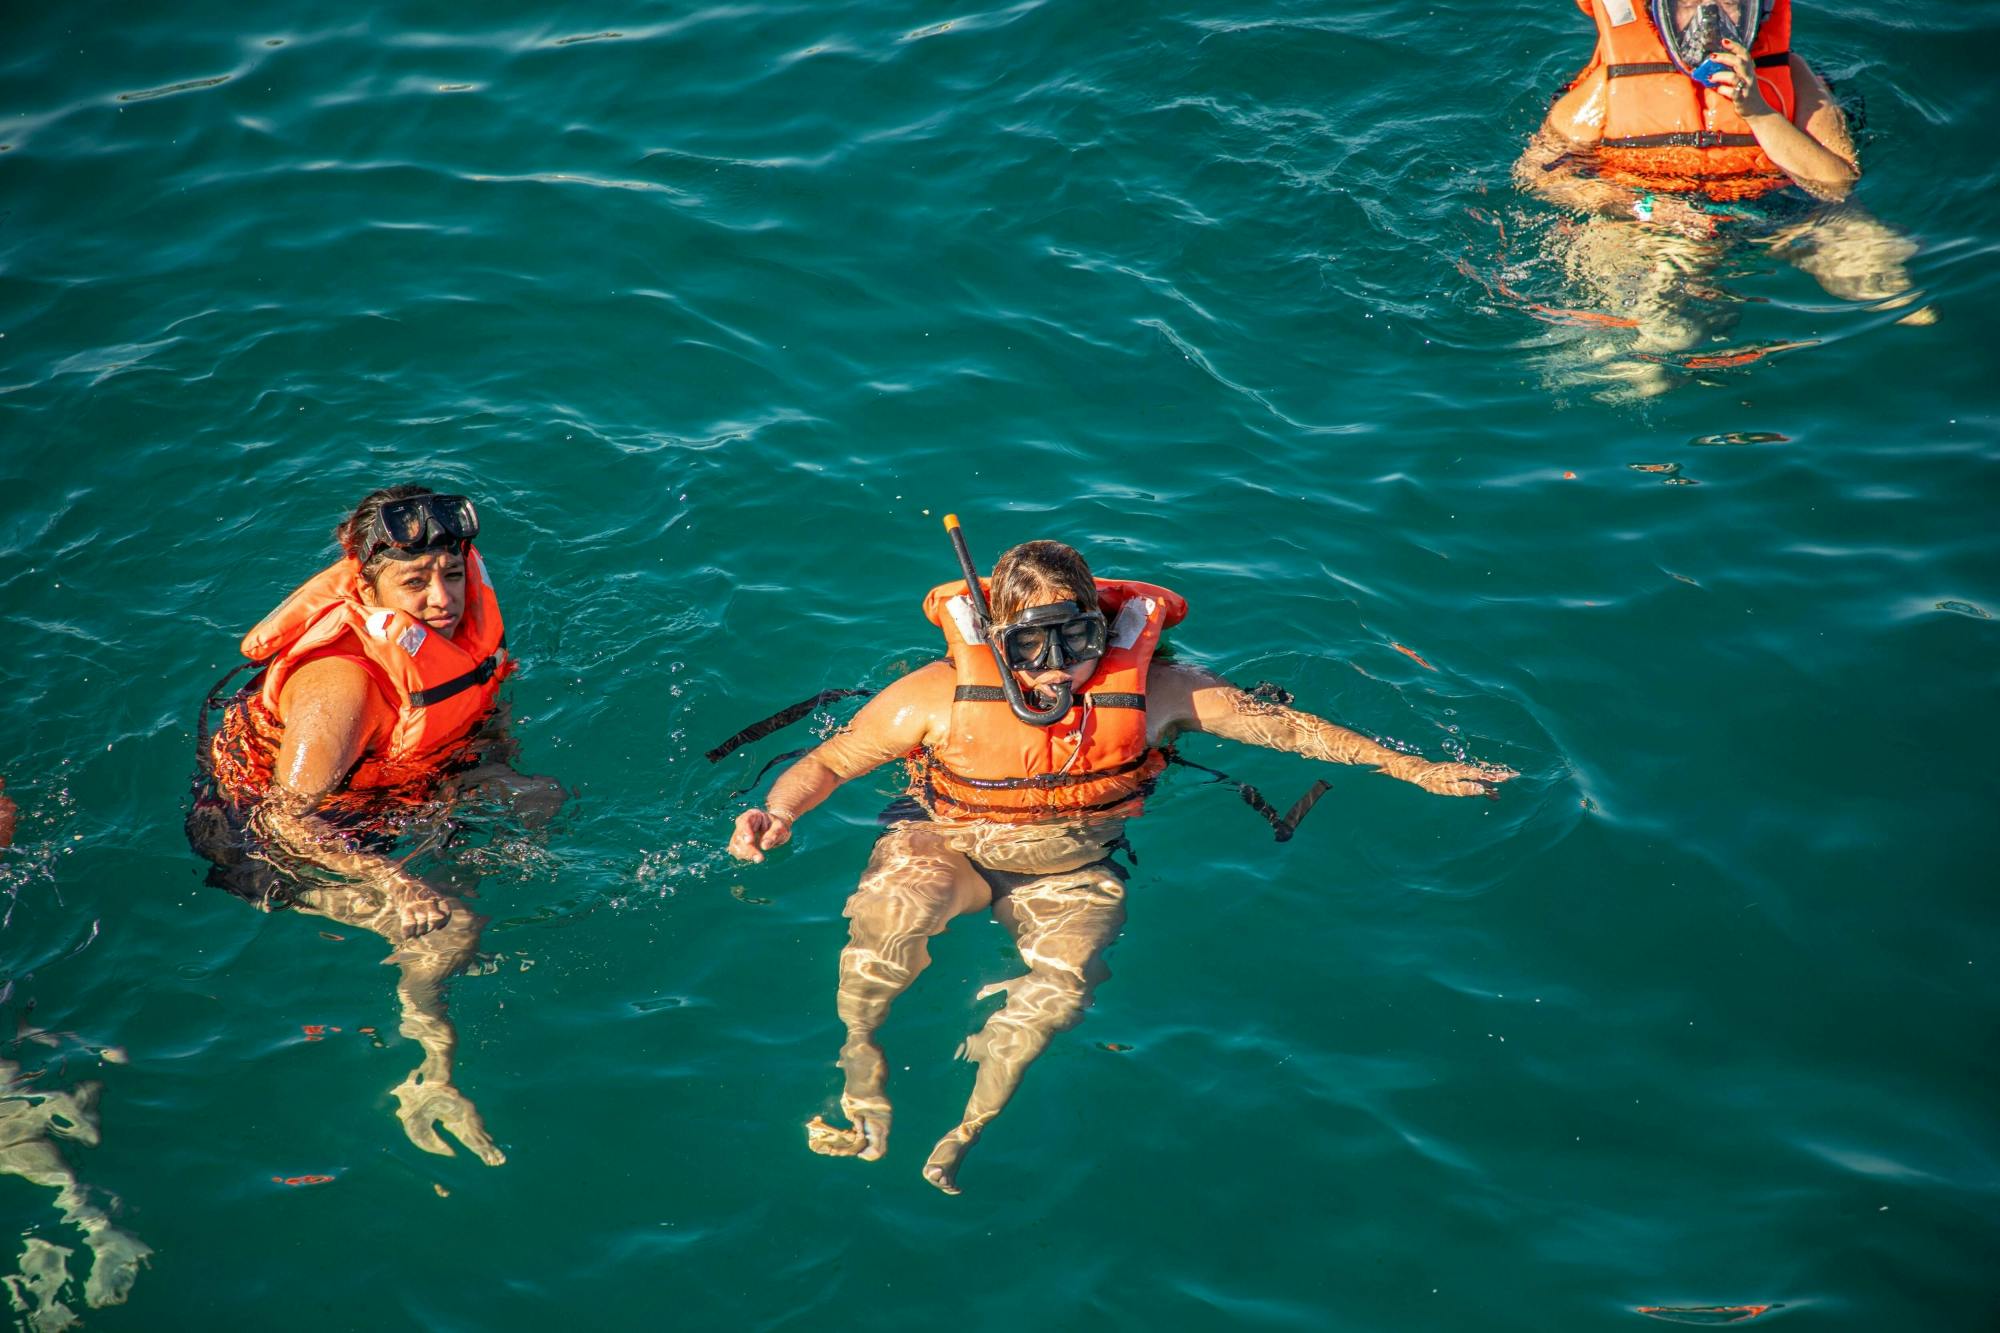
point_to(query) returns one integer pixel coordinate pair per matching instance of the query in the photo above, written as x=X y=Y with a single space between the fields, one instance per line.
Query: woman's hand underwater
x=757 y=832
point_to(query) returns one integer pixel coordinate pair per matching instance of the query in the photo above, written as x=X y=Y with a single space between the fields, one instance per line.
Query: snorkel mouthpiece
x=1017 y=702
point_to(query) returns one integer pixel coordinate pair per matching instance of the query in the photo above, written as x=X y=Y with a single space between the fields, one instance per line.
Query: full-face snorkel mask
x=1694 y=31
x=1044 y=637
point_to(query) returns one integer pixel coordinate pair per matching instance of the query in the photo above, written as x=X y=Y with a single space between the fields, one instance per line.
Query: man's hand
x=758 y=832
x=422 y=909
x=1452 y=779
x=1738 y=80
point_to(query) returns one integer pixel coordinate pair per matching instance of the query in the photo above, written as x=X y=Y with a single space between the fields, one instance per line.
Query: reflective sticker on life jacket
x=378 y=623
x=1620 y=12
x=963 y=617
x=411 y=639
x=1131 y=622
x=479 y=563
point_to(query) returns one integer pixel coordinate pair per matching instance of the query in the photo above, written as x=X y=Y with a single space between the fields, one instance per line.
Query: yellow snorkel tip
x=951 y=522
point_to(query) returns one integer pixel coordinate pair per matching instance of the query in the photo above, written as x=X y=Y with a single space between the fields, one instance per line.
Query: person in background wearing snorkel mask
x=1694 y=122
x=374 y=680
x=1020 y=784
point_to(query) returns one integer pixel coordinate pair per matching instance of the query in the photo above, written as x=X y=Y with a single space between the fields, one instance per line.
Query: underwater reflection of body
x=1695 y=130
x=1027 y=753
x=374 y=709
x=31 y=1118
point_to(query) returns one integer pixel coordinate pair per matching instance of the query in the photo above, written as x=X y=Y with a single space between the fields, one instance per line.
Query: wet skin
x=1062 y=906
x=334 y=716
x=1645 y=259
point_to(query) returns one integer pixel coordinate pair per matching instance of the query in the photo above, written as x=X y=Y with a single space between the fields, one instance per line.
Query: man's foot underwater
x=421 y=1103
x=867 y=1136
x=945 y=1159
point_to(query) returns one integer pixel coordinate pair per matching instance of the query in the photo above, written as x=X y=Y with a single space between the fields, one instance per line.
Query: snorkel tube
x=1010 y=687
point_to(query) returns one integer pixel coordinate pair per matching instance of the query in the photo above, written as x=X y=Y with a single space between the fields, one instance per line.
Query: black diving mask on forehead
x=1044 y=638
x=1694 y=30
x=421 y=524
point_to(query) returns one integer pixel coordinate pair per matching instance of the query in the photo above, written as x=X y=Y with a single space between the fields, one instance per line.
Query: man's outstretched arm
x=891 y=725
x=1190 y=699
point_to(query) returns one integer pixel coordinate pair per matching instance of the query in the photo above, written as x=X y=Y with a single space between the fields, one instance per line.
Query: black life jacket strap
x=1769 y=60
x=778 y=721
x=1683 y=139
x=214 y=700
x=993 y=694
x=1647 y=67
x=1282 y=826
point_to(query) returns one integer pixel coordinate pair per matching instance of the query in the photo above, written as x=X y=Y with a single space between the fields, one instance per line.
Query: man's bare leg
x=427 y=1097
x=914 y=885
x=1061 y=923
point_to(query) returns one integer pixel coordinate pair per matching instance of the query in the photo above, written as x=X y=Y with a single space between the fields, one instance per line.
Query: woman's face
x=430 y=588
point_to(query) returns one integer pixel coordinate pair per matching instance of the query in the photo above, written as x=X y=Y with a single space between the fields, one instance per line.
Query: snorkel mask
x=1043 y=638
x=1694 y=36
x=413 y=527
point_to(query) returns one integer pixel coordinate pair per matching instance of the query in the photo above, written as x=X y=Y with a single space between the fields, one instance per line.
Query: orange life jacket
x=1664 y=132
x=439 y=687
x=1095 y=761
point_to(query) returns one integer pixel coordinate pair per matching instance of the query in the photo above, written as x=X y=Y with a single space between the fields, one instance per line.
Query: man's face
x=1040 y=683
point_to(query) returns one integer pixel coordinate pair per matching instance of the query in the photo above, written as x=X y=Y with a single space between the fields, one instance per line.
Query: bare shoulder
x=1576 y=118
x=1172 y=690
x=333 y=713
x=329 y=682
x=912 y=710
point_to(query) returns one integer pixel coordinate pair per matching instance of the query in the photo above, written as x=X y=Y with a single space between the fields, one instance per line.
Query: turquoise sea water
x=716 y=311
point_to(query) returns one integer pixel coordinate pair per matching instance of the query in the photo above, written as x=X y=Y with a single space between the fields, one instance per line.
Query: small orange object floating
x=316 y=1031
x=1569 y=476
x=1411 y=654
x=301 y=1180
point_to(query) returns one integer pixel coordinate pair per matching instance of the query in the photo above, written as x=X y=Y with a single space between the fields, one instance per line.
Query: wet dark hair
x=1037 y=573
x=353 y=529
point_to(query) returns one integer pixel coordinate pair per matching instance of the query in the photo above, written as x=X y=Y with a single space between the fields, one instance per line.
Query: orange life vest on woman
x=1664 y=132
x=440 y=687
x=1095 y=761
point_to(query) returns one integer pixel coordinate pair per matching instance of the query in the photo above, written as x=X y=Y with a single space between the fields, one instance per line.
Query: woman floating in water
x=376 y=676
x=1027 y=752
x=1694 y=123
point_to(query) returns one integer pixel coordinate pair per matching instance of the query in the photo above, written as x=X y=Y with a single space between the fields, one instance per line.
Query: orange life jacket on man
x=1095 y=761
x=439 y=687
x=1664 y=132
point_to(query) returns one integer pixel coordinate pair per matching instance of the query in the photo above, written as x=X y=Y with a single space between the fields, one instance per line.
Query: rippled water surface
x=716 y=311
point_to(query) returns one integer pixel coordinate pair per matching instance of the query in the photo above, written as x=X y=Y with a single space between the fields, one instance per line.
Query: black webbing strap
x=993 y=694
x=759 y=779
x=1282 y=826
x=479 y=675
x=778 y=721
x=1683 y=139
x=1769 y=60
x=212 y=701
